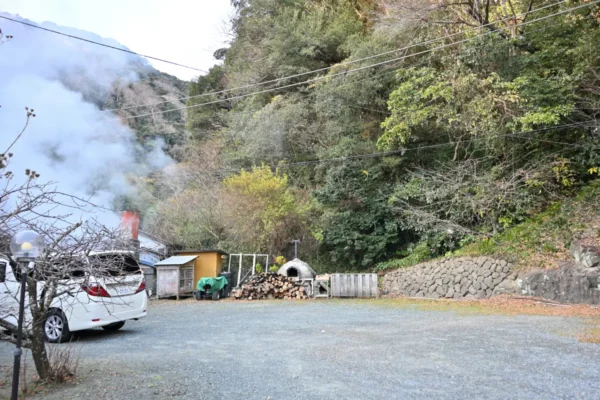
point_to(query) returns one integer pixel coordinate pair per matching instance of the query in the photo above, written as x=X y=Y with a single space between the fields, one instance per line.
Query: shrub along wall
x=457 y=278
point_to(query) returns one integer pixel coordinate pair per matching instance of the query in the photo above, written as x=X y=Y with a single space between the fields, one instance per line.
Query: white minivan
x=104 y=300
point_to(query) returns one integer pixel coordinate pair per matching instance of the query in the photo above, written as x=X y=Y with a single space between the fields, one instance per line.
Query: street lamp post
x=25 y=247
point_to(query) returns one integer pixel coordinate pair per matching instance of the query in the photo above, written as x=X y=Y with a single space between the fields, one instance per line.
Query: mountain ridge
x=131 y=81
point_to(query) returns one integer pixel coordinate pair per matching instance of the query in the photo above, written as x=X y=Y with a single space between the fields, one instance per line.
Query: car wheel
x=114 y=327
x=216 y=295
x=56 y=327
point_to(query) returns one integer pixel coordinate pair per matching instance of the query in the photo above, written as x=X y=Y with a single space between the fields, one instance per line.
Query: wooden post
x=239 y=271
x=178 y=280
x=359 y=286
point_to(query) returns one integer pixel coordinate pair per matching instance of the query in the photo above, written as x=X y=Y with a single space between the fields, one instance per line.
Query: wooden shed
x=207 y=263
x=175 y=276
x=149 y=276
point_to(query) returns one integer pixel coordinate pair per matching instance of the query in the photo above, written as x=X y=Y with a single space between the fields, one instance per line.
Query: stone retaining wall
x=572 y=283
x=576 y=281
x=457 y=278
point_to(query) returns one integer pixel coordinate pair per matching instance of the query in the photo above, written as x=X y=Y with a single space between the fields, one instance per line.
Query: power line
x=357 y=69
x=518 y=135
x=400 y=151
x=101 y=44
x=353 y=82
x=341 y=64
x=382 y=73
x=385 y=72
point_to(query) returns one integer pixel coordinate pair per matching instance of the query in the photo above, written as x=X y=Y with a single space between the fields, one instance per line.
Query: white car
x=84 y=301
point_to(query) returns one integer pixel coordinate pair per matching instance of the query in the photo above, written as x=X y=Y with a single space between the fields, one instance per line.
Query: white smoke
x=71 y=141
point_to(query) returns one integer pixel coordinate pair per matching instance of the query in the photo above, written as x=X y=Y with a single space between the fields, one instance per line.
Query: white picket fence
x=354 y=285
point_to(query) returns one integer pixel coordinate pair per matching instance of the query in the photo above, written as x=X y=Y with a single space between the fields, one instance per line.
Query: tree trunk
x=38 y=345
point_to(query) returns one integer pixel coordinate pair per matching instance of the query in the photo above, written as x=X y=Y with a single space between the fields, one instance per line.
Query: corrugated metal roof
x=176 y=260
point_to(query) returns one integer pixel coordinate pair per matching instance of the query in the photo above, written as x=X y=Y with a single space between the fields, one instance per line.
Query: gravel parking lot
x=331 y=350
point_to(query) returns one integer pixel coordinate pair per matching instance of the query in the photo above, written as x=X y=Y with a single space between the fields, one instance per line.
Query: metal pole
x=254 y=264
x=296 y=243
x=267 y=266
x=229 y=270
x=18 y=350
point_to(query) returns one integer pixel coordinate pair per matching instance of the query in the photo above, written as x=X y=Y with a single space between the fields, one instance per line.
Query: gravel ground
x=330 y=350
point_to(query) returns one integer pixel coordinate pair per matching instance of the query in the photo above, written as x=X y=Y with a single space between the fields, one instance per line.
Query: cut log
x=269 y=286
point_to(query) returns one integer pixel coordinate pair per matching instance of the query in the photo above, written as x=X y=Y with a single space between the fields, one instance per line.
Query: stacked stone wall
x=453 y=278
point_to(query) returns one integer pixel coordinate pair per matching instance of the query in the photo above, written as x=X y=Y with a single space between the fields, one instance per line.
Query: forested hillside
x=371 y=129
x=156 y=91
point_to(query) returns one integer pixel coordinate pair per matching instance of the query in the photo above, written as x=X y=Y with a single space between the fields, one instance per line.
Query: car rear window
x=63 y=267
x=114 y=265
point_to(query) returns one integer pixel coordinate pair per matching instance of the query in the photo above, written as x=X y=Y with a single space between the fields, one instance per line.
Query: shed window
x=186 y=279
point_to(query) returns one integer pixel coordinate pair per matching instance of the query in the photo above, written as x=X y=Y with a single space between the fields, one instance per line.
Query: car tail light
x=142 y=287
x=93 y=289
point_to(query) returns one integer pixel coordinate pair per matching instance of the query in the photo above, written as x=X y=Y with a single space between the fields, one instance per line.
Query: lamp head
x=27 y=245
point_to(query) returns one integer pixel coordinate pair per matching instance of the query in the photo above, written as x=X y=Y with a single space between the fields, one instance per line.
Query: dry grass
x=29 y=384
x=506 y=305
x=64 y=360
x=499 y=305
x=592 y=333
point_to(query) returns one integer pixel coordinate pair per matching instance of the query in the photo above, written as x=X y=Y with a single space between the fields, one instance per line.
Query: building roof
x=203 y=251
x=176 y=260
x=151 y=236
x=146 y=263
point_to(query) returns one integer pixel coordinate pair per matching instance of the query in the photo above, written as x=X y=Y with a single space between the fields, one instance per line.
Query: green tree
x=489 y=130
x=360 y=229
x=263 y=212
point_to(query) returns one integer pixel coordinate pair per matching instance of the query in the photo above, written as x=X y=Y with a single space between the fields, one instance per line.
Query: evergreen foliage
x=489 y=131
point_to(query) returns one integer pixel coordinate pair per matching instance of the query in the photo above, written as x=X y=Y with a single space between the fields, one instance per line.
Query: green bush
x=419 y=254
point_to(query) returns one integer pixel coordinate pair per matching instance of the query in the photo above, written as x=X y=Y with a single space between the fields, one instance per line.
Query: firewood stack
x=269 y=286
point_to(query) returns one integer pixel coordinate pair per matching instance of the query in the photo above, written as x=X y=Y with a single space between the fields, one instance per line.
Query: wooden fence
x=354 y=285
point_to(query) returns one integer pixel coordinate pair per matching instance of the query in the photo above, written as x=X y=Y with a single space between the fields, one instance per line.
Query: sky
x=183 y=31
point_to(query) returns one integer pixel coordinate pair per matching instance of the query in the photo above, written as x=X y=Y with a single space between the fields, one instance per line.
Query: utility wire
x=343 y=63
x=358 y=69
x=394 y=152
x=101 y=44
x=390 y=70
x=518 y=135
x=382 y=73
x=303 y=96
